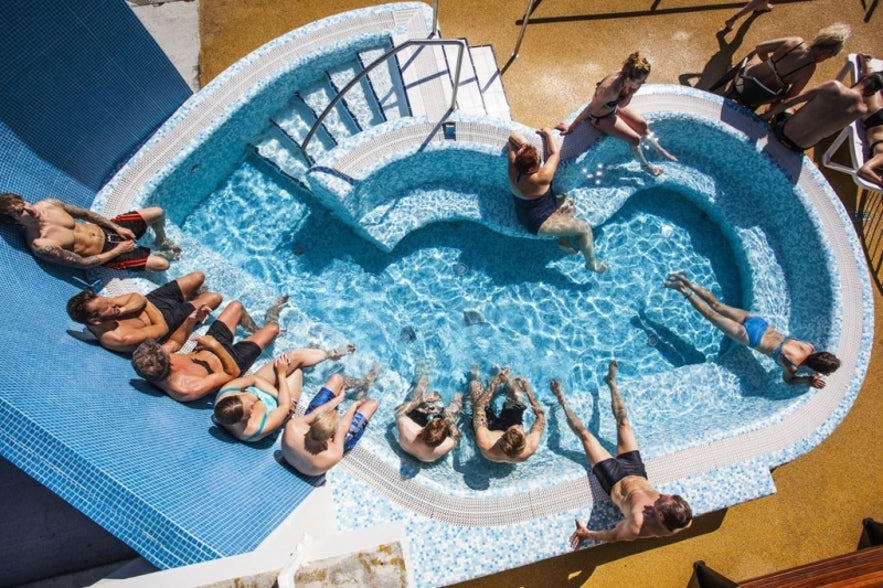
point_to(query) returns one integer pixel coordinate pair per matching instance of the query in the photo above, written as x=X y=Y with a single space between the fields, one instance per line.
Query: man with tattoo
x=123 y=322
x=54 y=234
x=427 y=430
x=646 y=512
x=216 y=359
x=500 y=437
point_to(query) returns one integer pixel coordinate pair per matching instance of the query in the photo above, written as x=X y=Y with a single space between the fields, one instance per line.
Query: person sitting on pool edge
x=123 y=322
x=317 y=441
x=427 y=431
x=254 y=406
x=216 y=359
x=500 y=437
x=54 y=235
x=646 y=512
x=537 y=206
x=741 y=326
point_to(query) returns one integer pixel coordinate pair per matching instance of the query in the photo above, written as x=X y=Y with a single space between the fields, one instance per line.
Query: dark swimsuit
x=611 y=470
x=779 y=132
x=875 y=120
x=136 y=259
x=754 y=93
x=533 y=213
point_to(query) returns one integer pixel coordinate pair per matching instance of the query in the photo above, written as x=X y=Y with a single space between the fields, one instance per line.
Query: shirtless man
x=646 y=512
x=539 y=209
x=501 y=438
x=317 y=441
x=123 y=322
x=216 y=360
x=751 y=330
x=829 y=108
x=427 y=431
x=54 y=235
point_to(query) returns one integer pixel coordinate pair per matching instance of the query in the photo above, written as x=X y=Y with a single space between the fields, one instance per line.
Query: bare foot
x=555 y=387
x=365 y=382
x=728 y=25
x=338 y=352
x=272 y=315
x=596 y=266
x=652 y=169
x=769 y=8
x=612 y=370
x=169 y=248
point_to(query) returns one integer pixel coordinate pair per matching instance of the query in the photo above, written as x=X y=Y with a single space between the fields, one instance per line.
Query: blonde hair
x=324 y=426
x=831 y=38
x=635 y=66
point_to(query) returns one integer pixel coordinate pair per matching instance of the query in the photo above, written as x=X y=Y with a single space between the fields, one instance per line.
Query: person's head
x=434 y=432
x=527 y=159
x=229 y=410
x=872 y=83
x=822 y=362
x=635 y=70
x=829 y=42
x=513 y=441
x=674 y=511
x=89 y=308
x=151 y=361
x=11 y=208
x=324 y=426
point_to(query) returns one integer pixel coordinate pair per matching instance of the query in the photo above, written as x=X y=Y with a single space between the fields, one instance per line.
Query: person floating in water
x=539 y=209
x=254 y=406
x=500 y=437
x=741 y=326
x=609 y=111
x=317 y=441
x=426 y=430
x=646 y=512
x=216 y=360
x=54 y=235
x=123 y=322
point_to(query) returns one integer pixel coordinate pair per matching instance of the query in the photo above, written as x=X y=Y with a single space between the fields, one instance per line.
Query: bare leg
x=362 y=384
x=295 y=387
x=264 y=336
x=729 y=327
x=156 y=262
x=625 y=437
x=156 y=218
x=297 y=359
x=246 y=322
x=731 y=312
x=564 y=224
x=272 y=315
x=231 y=315
x=340 y=351
x=639 y=155
x=595 y=452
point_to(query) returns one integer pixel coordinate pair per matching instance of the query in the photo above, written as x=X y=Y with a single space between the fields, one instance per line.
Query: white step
x=296 y=120
x=468 y=93
x=277 y=149
x=490 y=82
x=340 y=123
x=427 y=83
x=359 y=100
x=386 y=83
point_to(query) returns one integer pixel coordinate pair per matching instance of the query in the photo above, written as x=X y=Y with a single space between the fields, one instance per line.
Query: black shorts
x=169 y=300
x=508 y=416
x=243 y=353
x=612 y=470
x=136 y=259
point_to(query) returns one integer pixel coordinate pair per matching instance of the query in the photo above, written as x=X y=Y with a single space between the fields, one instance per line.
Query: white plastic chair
x=854 y=133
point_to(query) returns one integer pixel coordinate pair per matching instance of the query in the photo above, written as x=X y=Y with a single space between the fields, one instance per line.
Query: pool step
x=469 y=97
x=340 y=122
x=296 y=121
x=360 y=100
x=490 y=81
x=284 y=155
x=427 y=81
x=386 y=84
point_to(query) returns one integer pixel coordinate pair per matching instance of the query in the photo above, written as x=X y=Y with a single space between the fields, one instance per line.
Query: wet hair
x=676 y=514
x=823 y=362
x=324 y=426
x=11 y=206
x=228 y=410
x=77 y=307
x=872 y=83
x=512 y=442
x=635 y=67
x=831 y=38
x=151 y=361
x=435 y=432
x=527 y=159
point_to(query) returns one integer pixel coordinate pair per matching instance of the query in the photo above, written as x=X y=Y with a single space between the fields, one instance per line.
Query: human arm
x=95 y=218
x=539 y=424
x=791 y=102
x=870 y=170
x=228 y=364
x=180 y=335
x=814 y=380
x=621 y=532
x=50 y=251
x=452 y=413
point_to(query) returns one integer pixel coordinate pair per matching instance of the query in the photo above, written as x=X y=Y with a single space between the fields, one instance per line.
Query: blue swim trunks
x=357 y=428
x=755 y=327
x=322 y=396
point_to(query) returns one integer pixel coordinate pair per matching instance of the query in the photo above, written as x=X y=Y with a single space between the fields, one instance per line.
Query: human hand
x=124 y=247
x=816 y=381
x=563 y=127
x=281 y=363
x=432 y=397
x=206 y=342
x=580 y=535
x=125 y=233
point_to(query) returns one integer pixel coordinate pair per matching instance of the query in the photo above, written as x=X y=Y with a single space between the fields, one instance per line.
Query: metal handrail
x=461 y=44
x=432 y=33
x=527 y=12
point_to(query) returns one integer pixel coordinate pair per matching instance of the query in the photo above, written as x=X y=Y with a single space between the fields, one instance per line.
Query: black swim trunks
x=422 y=418
x=169 y=300
x=243 y=353
x=511 y=415
x=779 y=133
x=136 y=259
x=612 y=470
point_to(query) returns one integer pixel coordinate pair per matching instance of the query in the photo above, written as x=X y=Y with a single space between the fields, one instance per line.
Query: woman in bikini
x=609 y=110
x=254 y=406
x=779 y=69
x=755 y=332
x=872 y=170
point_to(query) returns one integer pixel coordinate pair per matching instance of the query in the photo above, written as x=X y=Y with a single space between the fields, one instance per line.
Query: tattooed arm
x=49 y=251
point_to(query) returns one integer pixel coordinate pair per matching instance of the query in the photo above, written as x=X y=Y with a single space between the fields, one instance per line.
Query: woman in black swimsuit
x=609 y=110
x=781 y=68
x=872 y=170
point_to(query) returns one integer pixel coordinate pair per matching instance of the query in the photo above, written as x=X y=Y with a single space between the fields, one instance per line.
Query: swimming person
x=873 y=123
x=780 y=69
x=646 y=512
x=54 y=235
x=123 y=322
x=317 y=441
x=609 y=110
x=426 y=430
x=216 y=359
x=828 y=108
x=539 y=209
x=500 y=437
x=741 y=326
x=254 y=406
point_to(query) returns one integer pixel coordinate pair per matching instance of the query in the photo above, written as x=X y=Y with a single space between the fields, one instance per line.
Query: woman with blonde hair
x=609 y=110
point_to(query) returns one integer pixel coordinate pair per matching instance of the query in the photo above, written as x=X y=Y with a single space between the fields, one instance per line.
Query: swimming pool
x=717 y=453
